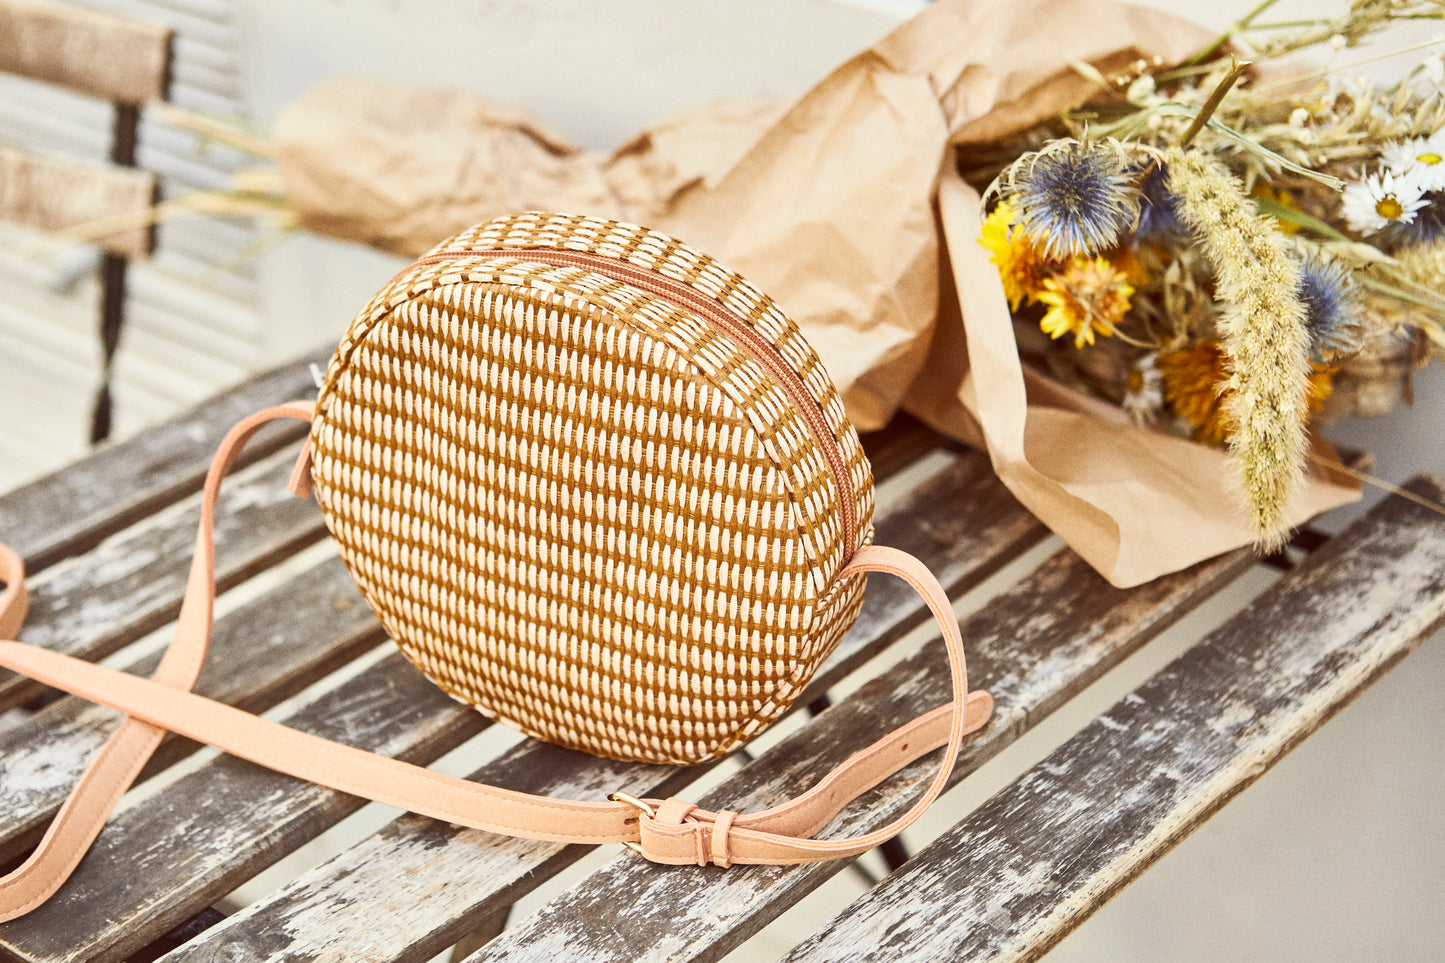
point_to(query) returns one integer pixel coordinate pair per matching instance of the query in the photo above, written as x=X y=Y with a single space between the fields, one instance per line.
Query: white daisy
x=1383 y=199
x=1422 y=157
x=1144 y=389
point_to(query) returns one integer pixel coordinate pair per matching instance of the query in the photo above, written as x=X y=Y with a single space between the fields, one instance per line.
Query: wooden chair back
x=114 y=59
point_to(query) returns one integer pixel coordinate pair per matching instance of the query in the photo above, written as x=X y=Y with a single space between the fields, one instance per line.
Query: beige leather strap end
x=14 y=600
x=299 y=484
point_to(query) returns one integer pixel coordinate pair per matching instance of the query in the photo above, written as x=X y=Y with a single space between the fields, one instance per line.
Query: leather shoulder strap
x=85 y=811
x=670 y=831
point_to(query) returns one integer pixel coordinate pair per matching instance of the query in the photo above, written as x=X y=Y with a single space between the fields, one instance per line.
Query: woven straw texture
x=578 y=505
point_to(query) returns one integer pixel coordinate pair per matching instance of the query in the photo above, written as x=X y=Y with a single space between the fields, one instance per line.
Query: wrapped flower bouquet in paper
x=1214 y=247
x=1086 y=237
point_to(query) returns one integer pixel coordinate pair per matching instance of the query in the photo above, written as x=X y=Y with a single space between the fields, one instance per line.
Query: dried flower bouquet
x=1213 y=245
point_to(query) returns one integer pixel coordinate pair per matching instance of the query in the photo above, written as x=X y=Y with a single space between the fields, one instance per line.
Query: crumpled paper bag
x=846 y=208
x=399 y=169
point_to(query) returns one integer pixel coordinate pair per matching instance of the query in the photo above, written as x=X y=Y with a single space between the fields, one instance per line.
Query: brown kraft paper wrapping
x=845 y=208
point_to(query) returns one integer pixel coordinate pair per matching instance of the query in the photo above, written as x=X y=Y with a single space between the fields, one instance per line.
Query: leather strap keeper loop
x=721 y=853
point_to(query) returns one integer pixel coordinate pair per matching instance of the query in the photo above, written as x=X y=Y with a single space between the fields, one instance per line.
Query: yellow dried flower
x=1264 y=337
x=1021 y=265
x=1090 y=295
x=1321 y=386
x=1126 y=260
x=1194 y=380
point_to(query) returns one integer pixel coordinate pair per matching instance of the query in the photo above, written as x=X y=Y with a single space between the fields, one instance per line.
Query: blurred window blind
x=192 y=325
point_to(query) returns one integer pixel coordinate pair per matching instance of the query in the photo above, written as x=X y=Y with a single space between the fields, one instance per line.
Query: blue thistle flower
x=1332 y=310
x=1075 y=199
x=1427 y=226
x=1158 y=208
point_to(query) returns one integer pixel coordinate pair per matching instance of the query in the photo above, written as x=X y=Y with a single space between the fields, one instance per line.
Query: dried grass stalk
x=1262 y=331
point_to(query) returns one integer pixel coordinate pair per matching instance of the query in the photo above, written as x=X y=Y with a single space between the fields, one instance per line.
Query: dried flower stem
x=1263 y=335
x=1320 y=73
x=1216 y=97
x=1239 y=25
x=1380 y=483
x=229 y=131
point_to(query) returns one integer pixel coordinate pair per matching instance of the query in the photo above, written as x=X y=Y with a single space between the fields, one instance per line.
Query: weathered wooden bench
x=107 y=543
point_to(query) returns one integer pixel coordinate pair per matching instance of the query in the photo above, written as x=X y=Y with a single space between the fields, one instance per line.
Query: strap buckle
x=643 y=808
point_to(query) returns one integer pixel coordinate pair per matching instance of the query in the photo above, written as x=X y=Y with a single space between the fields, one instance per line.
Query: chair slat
x=1057 y=843
x=104 y=55
x=70 y=511
x=899 y=444
x=51 y=194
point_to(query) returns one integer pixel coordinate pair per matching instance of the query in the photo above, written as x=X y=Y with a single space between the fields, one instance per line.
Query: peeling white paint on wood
x=1179 y=748
x=423 y=877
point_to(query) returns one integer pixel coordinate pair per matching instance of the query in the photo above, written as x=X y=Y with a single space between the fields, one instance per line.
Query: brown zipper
x=730 y=323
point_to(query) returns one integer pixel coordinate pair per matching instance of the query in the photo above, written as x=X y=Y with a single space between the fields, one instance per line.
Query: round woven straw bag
x=595 y=485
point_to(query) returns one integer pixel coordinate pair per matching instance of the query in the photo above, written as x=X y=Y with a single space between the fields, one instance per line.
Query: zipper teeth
x=758 y=347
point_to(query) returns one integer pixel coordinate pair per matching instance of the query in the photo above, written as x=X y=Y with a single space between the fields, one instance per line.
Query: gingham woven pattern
x=579 y=508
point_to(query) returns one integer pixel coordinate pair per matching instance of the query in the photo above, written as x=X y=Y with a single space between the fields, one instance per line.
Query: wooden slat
x=104 y=55
x=73 y=509
x=1036 y=860
x=214 y=828
x=901 y=443
x=51 y=194
x=263 y=652
x=1032 y=647
x=132 y=584
x=468 y=876
x=433 y=882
